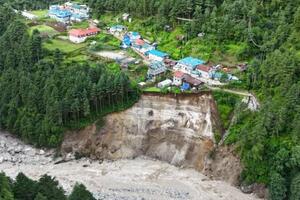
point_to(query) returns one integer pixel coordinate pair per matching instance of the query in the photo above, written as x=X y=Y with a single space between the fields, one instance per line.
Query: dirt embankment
x=176 y=129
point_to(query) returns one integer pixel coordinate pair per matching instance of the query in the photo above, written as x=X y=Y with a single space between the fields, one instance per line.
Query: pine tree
x=80 y=193
x=24 y=188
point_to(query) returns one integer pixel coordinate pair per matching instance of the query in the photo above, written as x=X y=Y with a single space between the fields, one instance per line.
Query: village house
x=134 y=36
x=125 y=16
x=156 y=55
x=155 y=69
x=170 y=63
x=193 y=82
x=164 y=84
x=204 y=70
x=61 y=15
x=188 y=64
x=146 y=47
x=126 y=43
x=117 y=29
x=69 y=12
x=177 y=78
x=138 y=43
x=80 y=35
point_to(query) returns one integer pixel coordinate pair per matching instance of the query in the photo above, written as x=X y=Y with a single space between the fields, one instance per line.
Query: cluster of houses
x=69 y=12
x=187 y=72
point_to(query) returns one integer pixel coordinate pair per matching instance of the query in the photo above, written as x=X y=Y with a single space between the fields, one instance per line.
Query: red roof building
x=84 y=32
x=179 y=74
x=139 y=42
x=80 y=35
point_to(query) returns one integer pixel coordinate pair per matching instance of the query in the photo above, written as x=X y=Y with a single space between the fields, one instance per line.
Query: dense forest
x=40 y=96
x=23 y=188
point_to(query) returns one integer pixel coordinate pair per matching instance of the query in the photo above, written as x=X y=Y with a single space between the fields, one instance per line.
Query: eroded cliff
x=178 y=129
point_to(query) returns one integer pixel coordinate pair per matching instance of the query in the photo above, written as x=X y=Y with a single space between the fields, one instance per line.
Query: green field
x=40 y=13
x=44 y=29
x=64 y=46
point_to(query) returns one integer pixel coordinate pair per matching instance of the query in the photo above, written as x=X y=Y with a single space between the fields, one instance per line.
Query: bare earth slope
x=176 y=129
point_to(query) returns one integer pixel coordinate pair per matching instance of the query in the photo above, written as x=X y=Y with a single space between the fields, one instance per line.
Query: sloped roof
x=204 y=68
x=139 y=42
x=190 y=61
x=193 y=81
x=179 y=74
x=157 y=53
x=84 y=32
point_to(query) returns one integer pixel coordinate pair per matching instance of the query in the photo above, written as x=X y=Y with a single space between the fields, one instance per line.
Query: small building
x=125 y=16
x=193 y=82
x=138 y=43
x=126 y=43
x=177 y=78
x=80 y=35
x=232 y=78
x=170 y=63
x=204 y=70
x=216 y=75
x=146 y=47
x=189 y=64
x=156 y=68
x=156 y=55
x=117 y=29
x=134 y=36
x=165 y=83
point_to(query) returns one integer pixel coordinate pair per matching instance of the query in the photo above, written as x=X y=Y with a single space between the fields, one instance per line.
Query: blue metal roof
x=60 y=13
x=157 y=65
x=157 y=53
x=192 y=62
x=185 y=86
x=135 y=34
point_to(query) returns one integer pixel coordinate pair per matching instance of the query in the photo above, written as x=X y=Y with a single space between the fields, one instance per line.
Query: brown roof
x=204 y=68
x=193 y=81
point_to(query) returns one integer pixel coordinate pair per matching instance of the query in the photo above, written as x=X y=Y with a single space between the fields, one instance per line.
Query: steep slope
x=178 y=129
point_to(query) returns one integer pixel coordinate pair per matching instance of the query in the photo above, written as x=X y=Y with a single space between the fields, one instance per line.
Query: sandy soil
x=139 y=179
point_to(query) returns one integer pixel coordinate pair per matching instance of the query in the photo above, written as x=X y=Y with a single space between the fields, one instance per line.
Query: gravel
x=138 y=179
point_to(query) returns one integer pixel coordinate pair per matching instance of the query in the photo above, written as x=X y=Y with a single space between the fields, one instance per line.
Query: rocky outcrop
x=176 y=129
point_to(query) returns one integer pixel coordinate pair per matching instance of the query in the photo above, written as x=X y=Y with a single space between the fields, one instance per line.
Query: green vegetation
x=45 y=188
x=152 y=89
x=84 y=24
x=226 y=104
x=44 y=29
x=40 y=13
x=64 y=46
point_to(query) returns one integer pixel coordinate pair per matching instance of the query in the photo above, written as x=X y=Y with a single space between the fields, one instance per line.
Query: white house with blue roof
x=61 y=15
x=156 y=55
x=117 y=29
x=188 y=64
x=155 y=69
x=69 y=12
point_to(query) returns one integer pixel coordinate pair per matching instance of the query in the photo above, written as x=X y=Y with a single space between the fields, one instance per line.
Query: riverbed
x=138 y=179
